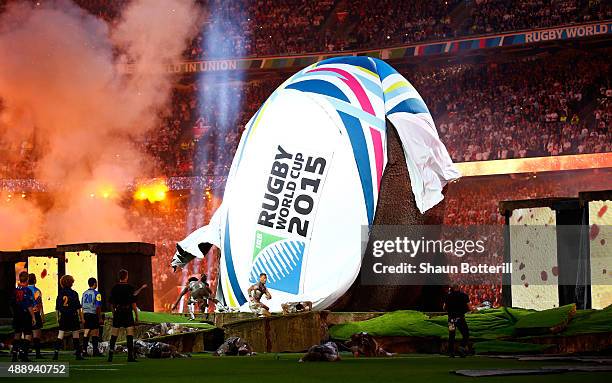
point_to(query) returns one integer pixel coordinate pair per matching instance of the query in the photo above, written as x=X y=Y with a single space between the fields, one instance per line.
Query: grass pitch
x=285 y=368
x=144 y=317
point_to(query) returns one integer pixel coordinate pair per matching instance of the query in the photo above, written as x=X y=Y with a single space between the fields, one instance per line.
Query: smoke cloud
x=25 y=221
x=64 y=86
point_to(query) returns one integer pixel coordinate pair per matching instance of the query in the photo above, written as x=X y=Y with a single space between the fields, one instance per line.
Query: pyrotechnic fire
x=106 y=192
x=153 y=192
x=86 y=145
x=208 y=193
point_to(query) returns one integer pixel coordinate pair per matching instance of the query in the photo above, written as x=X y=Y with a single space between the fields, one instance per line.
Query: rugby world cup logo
x=285 y=220
x=281 y=260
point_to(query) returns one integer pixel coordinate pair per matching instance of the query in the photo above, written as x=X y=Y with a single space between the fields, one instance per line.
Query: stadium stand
x=565 y=97
x=264 y=27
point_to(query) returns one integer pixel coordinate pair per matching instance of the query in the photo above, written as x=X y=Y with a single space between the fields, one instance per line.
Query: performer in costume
x=199 y=294
x=256 y=292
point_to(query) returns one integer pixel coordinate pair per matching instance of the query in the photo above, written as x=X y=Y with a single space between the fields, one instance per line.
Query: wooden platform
x=331 y=318
x=285 y=333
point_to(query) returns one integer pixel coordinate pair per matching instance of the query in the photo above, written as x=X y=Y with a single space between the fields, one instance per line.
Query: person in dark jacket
x=457 y=304
x=125 y=314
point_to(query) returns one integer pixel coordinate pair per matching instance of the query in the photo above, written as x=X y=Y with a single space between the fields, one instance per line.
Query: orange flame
x=153 y=192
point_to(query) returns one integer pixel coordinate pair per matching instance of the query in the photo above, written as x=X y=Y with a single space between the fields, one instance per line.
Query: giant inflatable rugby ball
x=305 y=180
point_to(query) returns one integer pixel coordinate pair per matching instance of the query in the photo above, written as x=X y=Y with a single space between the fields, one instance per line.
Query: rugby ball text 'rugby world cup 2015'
x=306 y=177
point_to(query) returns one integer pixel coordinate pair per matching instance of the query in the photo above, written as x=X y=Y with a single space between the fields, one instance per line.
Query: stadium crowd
x=530 y=108
x=566 y=98
x=260 y=28
x=387 y=23
x=489 y=16
x=278 y=27
x=556 y=105
x=195 y=138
